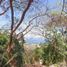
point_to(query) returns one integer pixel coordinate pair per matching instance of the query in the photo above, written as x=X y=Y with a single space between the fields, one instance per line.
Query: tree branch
x=30 y=22
x=4 y=11
x=23 y=15
x=12 y=23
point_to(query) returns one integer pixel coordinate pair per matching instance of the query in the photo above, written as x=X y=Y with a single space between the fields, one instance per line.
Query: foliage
x=55 y=50
x=17 y=51
x=3 y=54
x=32 y=55
x=3 y=39
x=38 y=54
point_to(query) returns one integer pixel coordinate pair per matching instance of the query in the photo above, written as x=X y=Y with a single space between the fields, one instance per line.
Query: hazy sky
x=54 y=5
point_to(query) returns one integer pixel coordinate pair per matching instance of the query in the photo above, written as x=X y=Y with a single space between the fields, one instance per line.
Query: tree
x=54 y=33
x=10 y=7
x=13 y=28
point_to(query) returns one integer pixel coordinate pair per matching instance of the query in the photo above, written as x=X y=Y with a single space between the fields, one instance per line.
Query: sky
x=54 y=5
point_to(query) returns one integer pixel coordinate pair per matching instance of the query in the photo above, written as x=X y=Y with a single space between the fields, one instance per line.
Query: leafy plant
x=17 y=51
x=54 y=52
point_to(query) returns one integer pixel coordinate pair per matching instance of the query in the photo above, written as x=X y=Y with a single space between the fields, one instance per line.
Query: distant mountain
x=35 y=40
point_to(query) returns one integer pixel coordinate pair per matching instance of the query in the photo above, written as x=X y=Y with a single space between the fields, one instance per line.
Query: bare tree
x=10 y=6
x=13 y=29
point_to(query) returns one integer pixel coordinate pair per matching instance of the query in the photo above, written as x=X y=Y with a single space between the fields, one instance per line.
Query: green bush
x=38 y=54
x=17 y=51
x=3 y=39
x=55 y=50
x=3 y=54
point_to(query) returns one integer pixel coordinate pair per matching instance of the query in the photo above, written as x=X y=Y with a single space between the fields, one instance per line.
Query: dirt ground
x=32 y=65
